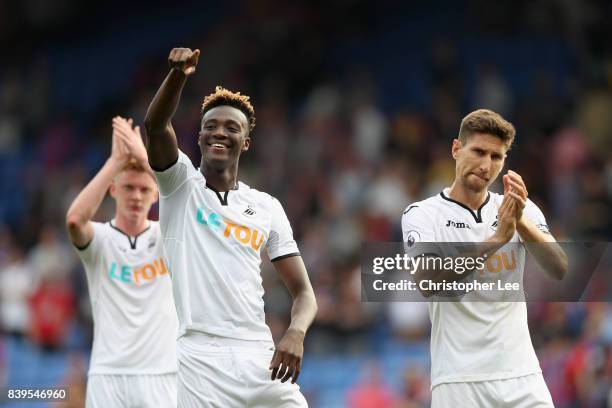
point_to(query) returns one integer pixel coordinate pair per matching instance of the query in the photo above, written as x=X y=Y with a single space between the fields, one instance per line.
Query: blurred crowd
x=356 y=110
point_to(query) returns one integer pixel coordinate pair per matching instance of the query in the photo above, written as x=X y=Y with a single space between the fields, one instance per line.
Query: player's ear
x=113 y=189
x=456 y=148
x=246 y=144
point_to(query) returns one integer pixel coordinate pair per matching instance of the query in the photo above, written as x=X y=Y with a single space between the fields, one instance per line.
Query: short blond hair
x=223 y=96
x=133 y=165
x=488 y=122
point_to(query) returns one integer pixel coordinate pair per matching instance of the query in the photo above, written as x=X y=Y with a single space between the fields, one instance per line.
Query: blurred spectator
x=369 y=133
x=51 y=310
x=371 y=391
x=409 y=321
x=16 y=285
x=11 y=126
x=415 y=392
x=569 y=153
x=51 y=259
x=492 y=91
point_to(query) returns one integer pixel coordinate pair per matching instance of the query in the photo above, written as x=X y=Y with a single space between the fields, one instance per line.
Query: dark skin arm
x=162 y=147
x=287 y=359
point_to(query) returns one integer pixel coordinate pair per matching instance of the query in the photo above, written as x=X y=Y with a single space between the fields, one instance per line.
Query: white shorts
x=228 y=373
x=529 y=391
x=131 y=391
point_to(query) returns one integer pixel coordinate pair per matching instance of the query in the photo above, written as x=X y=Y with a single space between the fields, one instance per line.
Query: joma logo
x=454 y=224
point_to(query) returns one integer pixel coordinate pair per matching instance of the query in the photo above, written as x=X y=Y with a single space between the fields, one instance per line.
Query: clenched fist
x=183 y=59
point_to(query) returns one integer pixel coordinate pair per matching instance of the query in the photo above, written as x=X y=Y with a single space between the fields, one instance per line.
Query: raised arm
x=287 y=360
x=540 y=244
x=85 y=205
x=162 y=146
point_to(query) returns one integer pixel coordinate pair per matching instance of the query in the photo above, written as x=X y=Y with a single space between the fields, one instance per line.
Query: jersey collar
x=477 y=215
x=132 y=243
x=222 y=198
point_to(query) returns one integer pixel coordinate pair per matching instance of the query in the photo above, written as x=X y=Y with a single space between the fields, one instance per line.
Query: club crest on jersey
x=454 y=224
x=249 y=211
x=494 y=225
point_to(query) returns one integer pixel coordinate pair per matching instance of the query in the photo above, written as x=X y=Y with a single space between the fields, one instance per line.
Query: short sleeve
x=417 y=228
x=280 y=242
x=535 y=215
x=90 y=253
x=171 y=179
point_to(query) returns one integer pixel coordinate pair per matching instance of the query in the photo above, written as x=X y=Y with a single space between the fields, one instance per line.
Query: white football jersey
x=135 y=322
x=471 y=339
x=213 y=242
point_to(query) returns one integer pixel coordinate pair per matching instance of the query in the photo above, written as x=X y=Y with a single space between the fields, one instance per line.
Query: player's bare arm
x=85 y=205
x=162 y=146
x=287 y=359
x=550 y=256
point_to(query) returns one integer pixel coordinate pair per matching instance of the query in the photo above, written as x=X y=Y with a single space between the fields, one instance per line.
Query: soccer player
x=214 y=230
x=133 y=360
x=481 y=352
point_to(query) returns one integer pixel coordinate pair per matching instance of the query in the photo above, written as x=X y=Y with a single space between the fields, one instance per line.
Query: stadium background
x=356 y=110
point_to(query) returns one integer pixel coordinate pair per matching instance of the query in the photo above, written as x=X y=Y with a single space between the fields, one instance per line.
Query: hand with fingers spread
x=287 y=359
x=130 y=139
x=184 y=60
x=515 y=188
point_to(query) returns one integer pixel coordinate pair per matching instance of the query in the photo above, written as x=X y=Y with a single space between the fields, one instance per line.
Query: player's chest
x=459 y=227
x=239 y=221
x=127 y=264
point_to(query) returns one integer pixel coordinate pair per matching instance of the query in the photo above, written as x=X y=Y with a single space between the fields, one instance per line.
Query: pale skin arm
x=85 y=205
x=543 y=247
x=287 y=359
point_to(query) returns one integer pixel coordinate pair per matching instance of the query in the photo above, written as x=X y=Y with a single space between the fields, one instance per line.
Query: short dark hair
x=223 y=96
x=489 y=122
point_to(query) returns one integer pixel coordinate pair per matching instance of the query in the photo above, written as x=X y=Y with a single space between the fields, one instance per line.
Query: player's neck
x=221 y=179
x=129 y=226
x=472 y=199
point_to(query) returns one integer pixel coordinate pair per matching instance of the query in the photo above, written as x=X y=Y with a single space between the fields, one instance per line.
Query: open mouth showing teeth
x=218 y=145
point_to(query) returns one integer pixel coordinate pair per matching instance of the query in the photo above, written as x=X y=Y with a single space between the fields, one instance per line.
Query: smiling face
x=134 y=192
x=224 y=135
x=478 y=160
